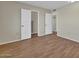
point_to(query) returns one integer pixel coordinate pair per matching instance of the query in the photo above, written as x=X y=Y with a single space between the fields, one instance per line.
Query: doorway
x=29 y=23
x=34 y=24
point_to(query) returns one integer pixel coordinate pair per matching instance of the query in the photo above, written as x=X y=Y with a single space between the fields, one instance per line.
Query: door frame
x=37 y=20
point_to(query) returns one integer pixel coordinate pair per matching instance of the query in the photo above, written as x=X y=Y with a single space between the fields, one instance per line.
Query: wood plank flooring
x=50 y=46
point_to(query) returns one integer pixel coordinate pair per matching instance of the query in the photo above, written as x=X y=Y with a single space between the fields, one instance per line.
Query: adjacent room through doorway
x=34 y=24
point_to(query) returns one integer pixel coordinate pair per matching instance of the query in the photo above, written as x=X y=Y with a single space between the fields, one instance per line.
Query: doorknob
x=22 y=25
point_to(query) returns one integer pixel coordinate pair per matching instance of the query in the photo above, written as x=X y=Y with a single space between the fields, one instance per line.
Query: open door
x=48 y=24
x=25 y=24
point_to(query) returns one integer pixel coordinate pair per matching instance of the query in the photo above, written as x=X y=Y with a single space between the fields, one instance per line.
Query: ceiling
x=47 y=4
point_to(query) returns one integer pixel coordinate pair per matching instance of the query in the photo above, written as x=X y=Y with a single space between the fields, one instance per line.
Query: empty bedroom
x=39 y=29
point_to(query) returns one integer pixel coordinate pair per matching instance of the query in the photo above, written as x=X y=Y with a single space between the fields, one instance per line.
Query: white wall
x=10 y=20
x=68 y=22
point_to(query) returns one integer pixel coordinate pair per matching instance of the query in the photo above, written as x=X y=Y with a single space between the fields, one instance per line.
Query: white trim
x=68 y=38
x=33 y=33
x=38 y=23
x=10 y=41
x=37 y=20
x=35 y=10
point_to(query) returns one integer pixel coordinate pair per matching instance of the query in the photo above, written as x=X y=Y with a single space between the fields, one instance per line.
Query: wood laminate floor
x=50 y=46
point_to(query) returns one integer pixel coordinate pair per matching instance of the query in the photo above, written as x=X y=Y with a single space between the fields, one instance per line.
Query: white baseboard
x=10 y=42
x=1 y=43
x=34 y=33
x=69 y=38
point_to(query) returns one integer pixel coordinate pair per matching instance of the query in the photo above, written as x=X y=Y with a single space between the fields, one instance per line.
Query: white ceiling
x=47 y=4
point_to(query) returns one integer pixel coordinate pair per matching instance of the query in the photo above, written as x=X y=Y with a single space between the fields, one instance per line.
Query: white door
x=48 y=24
x=25 y=24
x=41 y=24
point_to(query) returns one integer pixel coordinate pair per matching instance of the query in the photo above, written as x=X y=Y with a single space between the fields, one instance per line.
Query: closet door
x=41 y=24
x=25 y=24
x=48 y=24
